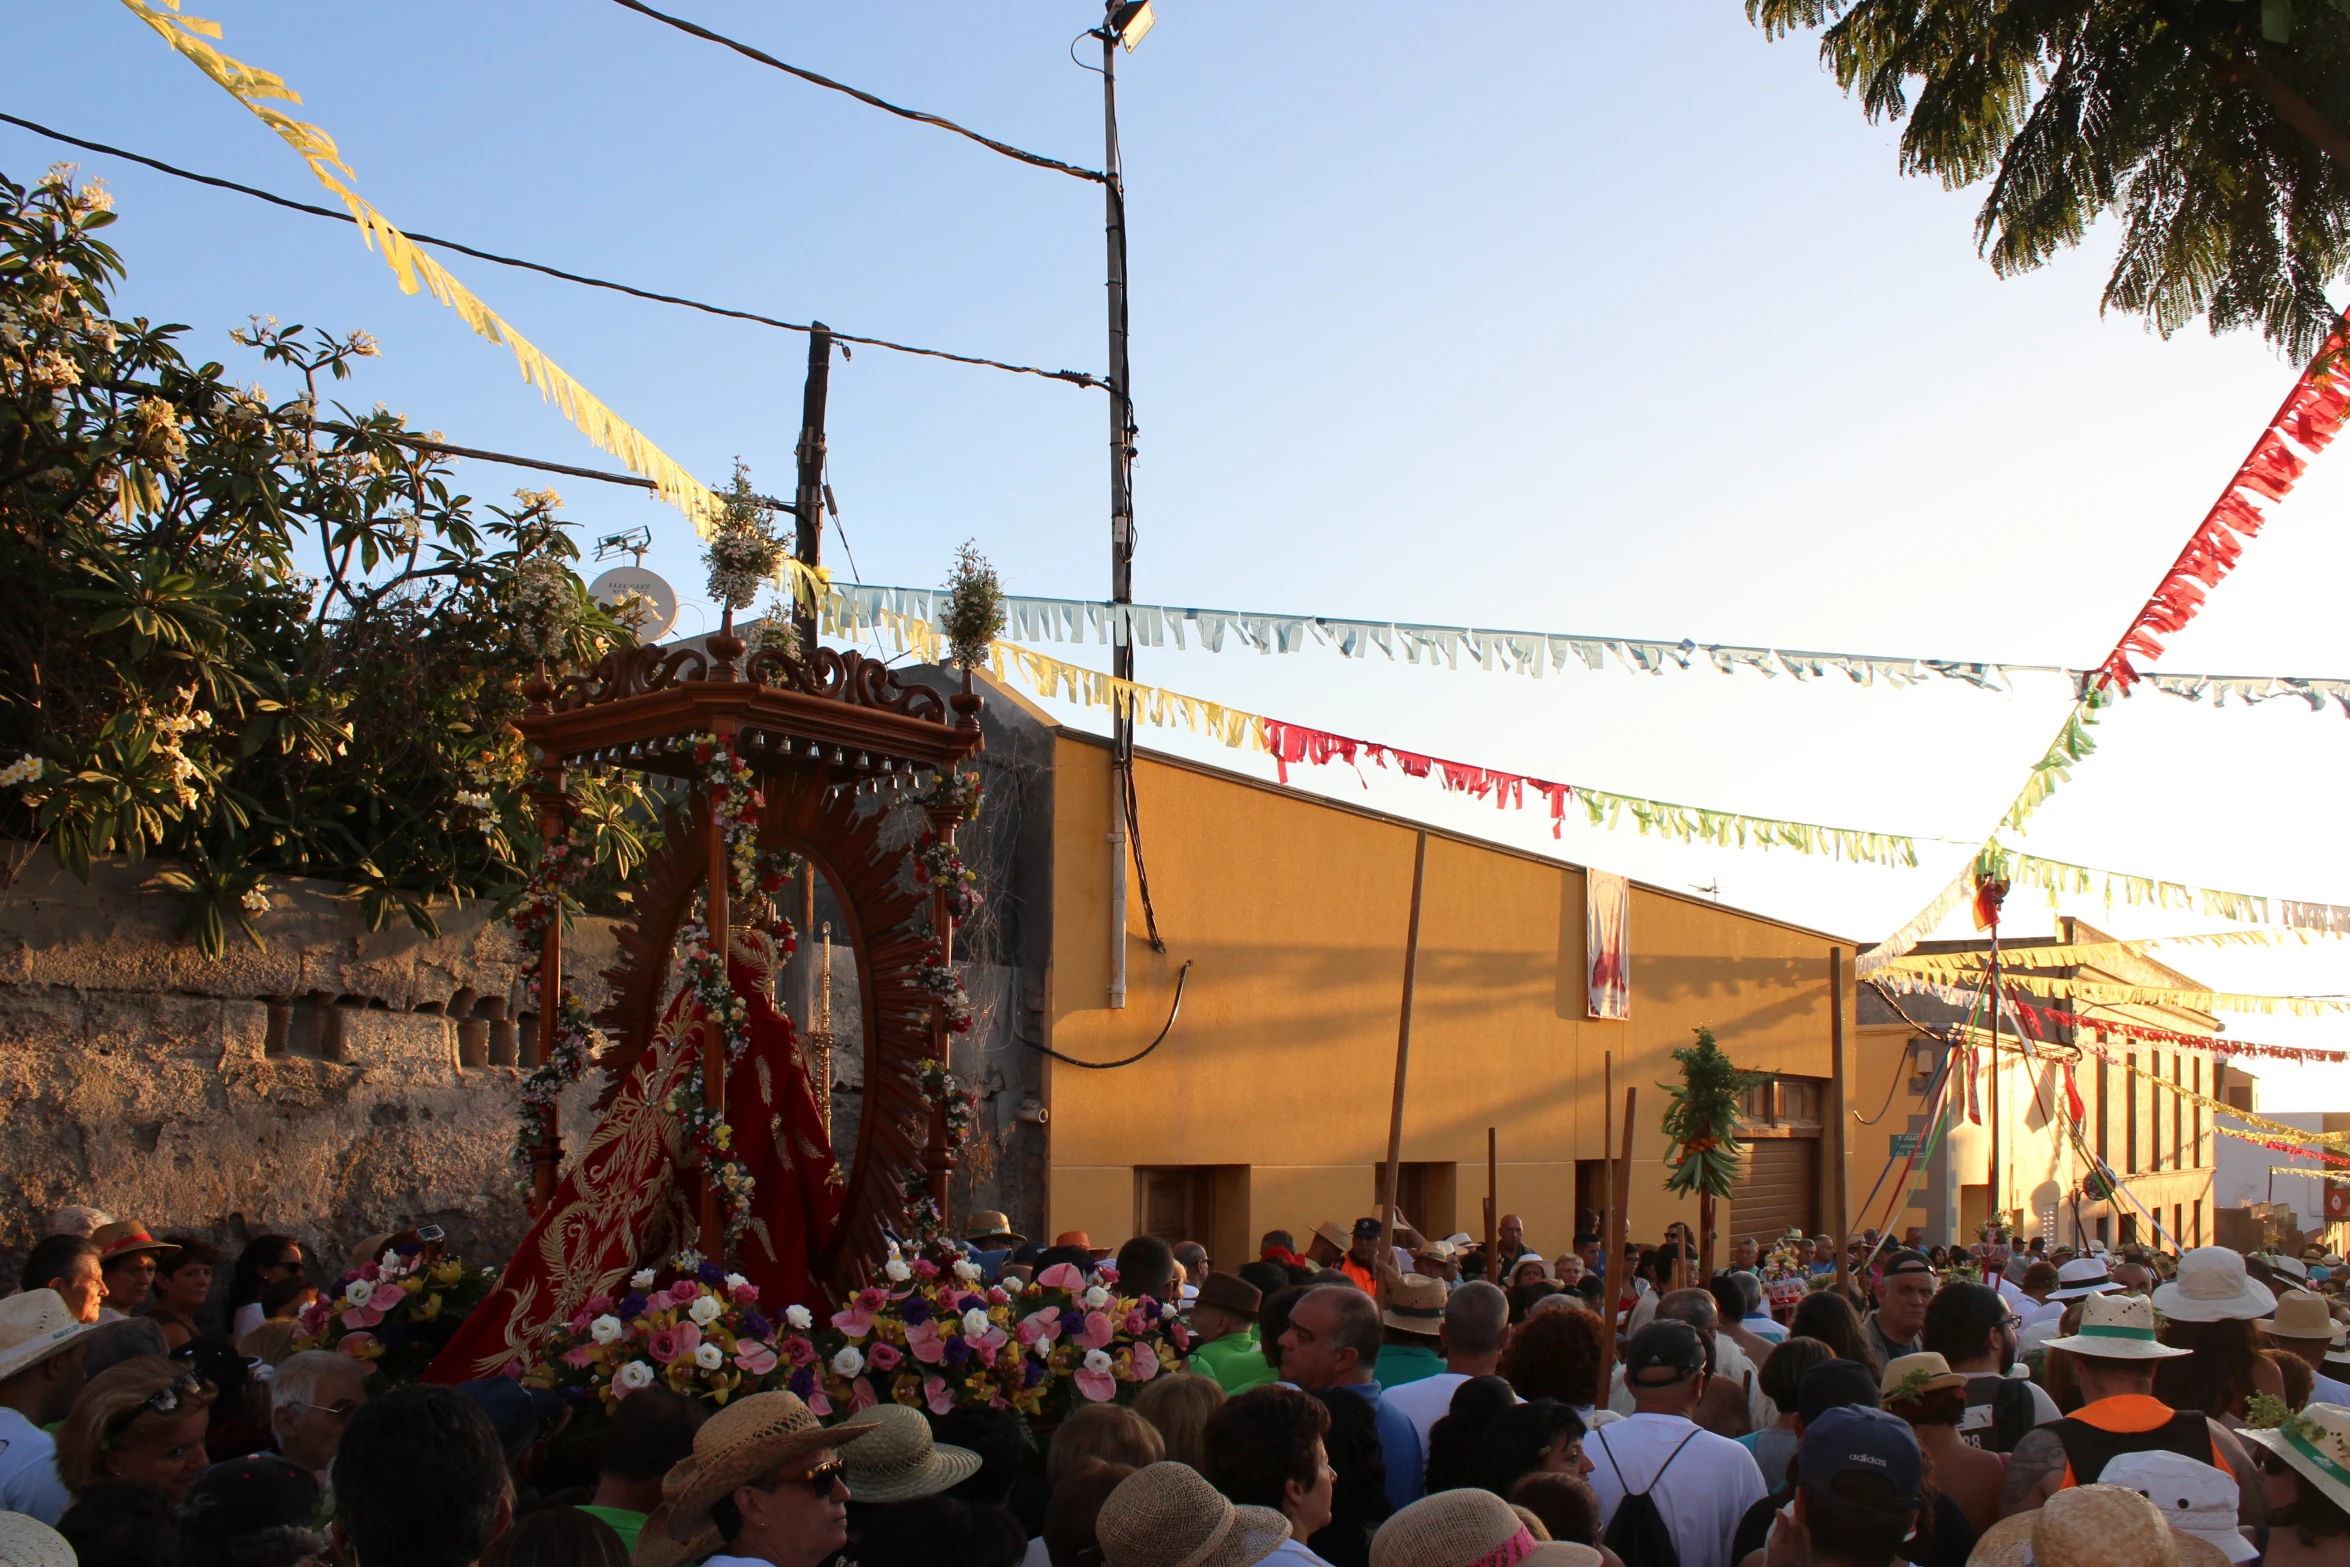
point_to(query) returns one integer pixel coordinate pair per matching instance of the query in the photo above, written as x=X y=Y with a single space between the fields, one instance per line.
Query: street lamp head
x=1131 y=21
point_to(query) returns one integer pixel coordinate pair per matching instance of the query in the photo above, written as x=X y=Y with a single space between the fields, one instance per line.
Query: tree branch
x=2241 y=72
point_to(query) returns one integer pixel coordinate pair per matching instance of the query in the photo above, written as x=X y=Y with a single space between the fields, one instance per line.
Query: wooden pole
x=1392 y=1171
x=1705 y=1237
x=1615 y=1228
x=1607 y=1169
x=1832 y=1146
x=1492 y=1206
x=808 y=500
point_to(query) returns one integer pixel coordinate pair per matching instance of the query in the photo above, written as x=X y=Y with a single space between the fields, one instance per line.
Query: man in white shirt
x=1701 y=1483
x=2080 y=1277
x=40 y=1372
x=1735 y=1390
x=1476 y=1329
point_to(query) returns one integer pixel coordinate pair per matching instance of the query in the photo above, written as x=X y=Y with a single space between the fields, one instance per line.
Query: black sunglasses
x=818 y=1480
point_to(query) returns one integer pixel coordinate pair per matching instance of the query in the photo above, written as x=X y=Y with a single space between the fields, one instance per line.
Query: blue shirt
x=28 y=1470
x=1399 y=1446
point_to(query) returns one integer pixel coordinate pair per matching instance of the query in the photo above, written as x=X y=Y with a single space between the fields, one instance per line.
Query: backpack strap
x=1621 y=1484
x=1668 y=1463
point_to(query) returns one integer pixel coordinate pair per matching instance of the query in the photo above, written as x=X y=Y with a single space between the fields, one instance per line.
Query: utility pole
x=808 y=502
x=1127 y=22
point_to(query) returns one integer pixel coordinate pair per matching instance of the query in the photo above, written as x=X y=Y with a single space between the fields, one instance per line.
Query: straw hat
x=25 y=1541
x=2303 y=1315
x=989 y=1225
x=2118 y=1327
x=735 y=1446
x=34 y=1325
x=1457 y=1528
x=2316 y=1442
x=900 y=1462
x=2212 y=1286
x=1331 y=1231
x=124 y=1237
x=2194 y=1497
x=1166 y=1515
x=2082 y=1276
x=2093 y=1526
x=1415 y=1305
x=1932 y=1371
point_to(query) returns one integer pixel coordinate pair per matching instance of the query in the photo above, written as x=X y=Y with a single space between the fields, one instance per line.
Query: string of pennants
x=1529 y=653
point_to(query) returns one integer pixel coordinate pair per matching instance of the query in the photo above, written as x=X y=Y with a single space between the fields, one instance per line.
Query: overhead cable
x=1073 y=377
x=942 y=123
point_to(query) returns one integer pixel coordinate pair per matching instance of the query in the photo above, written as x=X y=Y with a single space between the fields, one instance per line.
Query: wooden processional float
x=817 y=733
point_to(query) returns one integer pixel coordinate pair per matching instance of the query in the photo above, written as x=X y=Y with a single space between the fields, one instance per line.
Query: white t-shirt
x=1036 y=1556
x=28 y=1470
x=1293 y=1550
x=1765 y=1326
x=1729 y=1361
x=2328 y=1390
x=248 y=1318
x=1702 y=1493
x=1425 y=1402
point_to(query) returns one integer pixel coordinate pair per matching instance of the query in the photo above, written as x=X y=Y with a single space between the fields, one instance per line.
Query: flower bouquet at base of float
x=689 y=1326
x=1786 y=1271
x=397 y=1311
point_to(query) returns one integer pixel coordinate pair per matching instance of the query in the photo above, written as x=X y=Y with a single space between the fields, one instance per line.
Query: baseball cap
x=1906 y=1261
x=1855 y=1439
x=1834 y=1384
x=1671 y=1347
x=1367 y=1229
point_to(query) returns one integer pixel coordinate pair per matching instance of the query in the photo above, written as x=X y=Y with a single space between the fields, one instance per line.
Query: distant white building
x=2245 y=1170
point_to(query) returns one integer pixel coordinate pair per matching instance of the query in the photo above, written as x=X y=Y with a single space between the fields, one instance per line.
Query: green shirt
x=1234 y=1361
x=1402 y=1363
x=624 y=1523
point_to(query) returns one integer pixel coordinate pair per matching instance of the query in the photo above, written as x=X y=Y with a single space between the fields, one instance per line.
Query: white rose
x=709 y=1356
x=642 y=1279
x=1169 y=1312
x=798 y=1317
x=1011 y=1284
x=735 y=1281
x=1097 y=1297
x=360 y=1292
x=1097 y=1361
x=605 y=1330
x=974 y=1323
x=704 y=1310
x=897 y=1270
x=848 y=1362
x=966 y=1269
x=636 y=1374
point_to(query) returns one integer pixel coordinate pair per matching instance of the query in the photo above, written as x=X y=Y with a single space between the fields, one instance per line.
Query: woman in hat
x=1166 y=1515
x=896 y=1465
x=2212 y=1310
x=762 y=1484
x=2305 y=1479
x=1923 y=1390
x=1465 y=1529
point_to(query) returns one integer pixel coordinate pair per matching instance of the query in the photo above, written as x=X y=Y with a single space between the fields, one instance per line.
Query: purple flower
x=712 y=1274
x=756 y=1326
x=1031 y=1372
x=632 y=1306
x=915 y=1310
x=1072 y=1321
x=958 y=1351
x=803 y=1381
x=971 y=1303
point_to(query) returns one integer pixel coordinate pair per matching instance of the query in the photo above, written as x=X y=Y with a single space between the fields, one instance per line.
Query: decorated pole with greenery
x=1702 y=1122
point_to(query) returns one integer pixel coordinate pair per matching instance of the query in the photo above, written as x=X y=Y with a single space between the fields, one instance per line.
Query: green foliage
x=171 y=683
x=974 y=615
x=2217 y=130
x=743 y=550
x=1703 y=1119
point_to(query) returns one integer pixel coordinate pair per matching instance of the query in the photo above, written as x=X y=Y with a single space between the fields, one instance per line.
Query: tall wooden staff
x=1619 y=1275
x=1392 y=1171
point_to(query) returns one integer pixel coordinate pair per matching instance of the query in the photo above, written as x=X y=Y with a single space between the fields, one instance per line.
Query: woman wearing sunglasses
x=143 y=1420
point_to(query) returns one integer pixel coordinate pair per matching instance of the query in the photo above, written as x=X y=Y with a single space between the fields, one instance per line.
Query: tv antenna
x=1714 y=891
x=634 y=542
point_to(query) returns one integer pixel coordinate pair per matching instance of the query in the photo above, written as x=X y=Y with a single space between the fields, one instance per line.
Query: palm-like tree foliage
x=2217 y=130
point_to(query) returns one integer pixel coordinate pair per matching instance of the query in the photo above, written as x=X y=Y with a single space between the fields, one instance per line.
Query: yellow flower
x=429 y=1309
x=412 y=1284
x=906 y=1391
x=448 y=1273
x=889 y=1328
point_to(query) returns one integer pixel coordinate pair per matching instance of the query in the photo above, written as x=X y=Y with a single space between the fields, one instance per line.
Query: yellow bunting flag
x=1960 y=969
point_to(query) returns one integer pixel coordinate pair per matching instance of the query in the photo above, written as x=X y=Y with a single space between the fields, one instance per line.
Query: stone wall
x=337 y=1083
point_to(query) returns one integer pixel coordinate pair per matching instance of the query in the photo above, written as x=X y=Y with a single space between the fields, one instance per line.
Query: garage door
x=1781 y=1189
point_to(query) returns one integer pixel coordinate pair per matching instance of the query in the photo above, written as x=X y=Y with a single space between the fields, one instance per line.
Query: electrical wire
x=764 y=58
x=1072 y=377
x=1182 y=977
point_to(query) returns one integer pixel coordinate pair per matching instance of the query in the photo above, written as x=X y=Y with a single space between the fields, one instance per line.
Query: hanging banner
x=1607 y=944
x=2038 y=1021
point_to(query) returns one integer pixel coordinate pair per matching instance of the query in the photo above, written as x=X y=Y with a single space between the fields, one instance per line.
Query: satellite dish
x=651 y=600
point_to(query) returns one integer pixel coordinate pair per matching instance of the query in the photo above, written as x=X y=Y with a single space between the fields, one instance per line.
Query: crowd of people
x=1374 y=1399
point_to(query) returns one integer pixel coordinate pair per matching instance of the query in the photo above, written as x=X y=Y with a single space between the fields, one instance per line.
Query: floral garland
x=939 y=981
x=535 y=915
x=937 y=862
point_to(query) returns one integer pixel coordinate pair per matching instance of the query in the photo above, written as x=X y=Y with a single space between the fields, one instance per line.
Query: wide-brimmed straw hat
x=1166 y=1515
x=2316 y=1442
x=25 y=1541
x=1335 y=1233
x=1230 y=1292
x=2082 y=1276
x=2212 y=1286
x=989 y=1225
x=1457 y=1528
x=2302 y=1314
x=2117 y=1327
x=34 y=1325
x=1415 y=1304
x=2093 y=1526
x=735 y=1446
x=2193 y=1497
x=900 y=1461
x=124 y=1238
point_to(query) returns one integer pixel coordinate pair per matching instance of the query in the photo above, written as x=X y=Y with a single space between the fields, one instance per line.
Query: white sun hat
x=2195 y=1498
x=2117 y=1327
x=2212 y=1286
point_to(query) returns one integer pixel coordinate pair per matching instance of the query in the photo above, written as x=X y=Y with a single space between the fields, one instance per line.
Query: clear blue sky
x=1591 y=318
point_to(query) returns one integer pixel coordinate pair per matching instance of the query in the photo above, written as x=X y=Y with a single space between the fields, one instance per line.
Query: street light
x=1131 y=22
